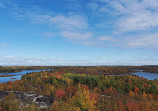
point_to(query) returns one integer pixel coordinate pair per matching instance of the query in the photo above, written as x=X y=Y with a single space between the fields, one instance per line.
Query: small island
x=6 y=75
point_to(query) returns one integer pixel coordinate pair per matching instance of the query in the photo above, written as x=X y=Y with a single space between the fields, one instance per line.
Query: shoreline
x=6 y=75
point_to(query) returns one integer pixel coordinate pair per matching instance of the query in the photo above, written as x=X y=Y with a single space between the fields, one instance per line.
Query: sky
x=78 y=32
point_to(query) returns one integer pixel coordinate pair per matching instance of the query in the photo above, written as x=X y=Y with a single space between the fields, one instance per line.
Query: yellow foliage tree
x=131 y=93
x=68 y=81
x=83 y=99
x=31 y=107
x=144 y=94
x=63 y=106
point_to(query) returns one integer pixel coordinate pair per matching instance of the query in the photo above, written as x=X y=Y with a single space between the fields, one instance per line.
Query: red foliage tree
x=94 y=96
x=84 y=87
x=132 y=106
x=60 y=93
x=71 y=90
x=121 y=106
x=136 y=90
x=146 y=84
x=129 y=81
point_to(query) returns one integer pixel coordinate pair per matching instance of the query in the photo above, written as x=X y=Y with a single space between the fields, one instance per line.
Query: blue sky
x=78 y=32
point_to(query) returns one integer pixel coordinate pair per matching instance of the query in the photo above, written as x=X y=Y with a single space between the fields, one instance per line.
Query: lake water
x=18 y=75
x=147 y=75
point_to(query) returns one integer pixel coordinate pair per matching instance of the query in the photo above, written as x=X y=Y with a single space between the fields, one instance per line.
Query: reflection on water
x=18 y=75
x=140 y=73
x=147 y=75
x=6 y=79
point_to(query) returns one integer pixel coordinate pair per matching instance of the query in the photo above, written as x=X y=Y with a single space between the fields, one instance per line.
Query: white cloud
x=148 y=41
x=105 y=38
x=73 y=5
x=138 y=21
x=48 y=34
x=138 y=15
x=89 y=43
x=137 y=62
x=102 y=58
x=132 y=15
x=69 y=22
x=77 y=35
x=70 y=26
x=43 y=61
x=124 y=16
x=10 y=60
x=62 y=22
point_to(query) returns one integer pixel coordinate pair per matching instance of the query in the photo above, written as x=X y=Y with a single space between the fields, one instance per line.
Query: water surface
x=18 y=75
x=147 y=75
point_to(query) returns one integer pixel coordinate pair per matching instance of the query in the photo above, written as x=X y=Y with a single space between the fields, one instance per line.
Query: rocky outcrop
x=43 y=101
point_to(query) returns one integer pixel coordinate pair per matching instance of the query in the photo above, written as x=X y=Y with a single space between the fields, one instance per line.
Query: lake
x=147 y=75
x=18 y=75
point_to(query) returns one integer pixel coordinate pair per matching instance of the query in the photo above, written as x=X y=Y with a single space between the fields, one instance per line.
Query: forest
x=91 y=70
x=9 y=69
x=83 y=89
x=151 y=69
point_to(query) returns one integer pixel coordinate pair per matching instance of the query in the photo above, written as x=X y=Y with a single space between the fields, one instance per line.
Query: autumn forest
x=81 y=89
